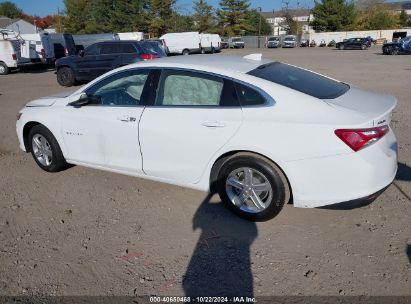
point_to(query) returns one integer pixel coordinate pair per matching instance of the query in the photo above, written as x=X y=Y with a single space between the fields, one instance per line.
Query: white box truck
x=183 y=43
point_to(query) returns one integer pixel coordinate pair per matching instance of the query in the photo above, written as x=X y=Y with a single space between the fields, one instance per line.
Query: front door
x=195 y=114
x=105 y=132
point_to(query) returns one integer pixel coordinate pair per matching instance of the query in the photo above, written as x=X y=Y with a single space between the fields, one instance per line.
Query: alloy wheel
x=42 y=150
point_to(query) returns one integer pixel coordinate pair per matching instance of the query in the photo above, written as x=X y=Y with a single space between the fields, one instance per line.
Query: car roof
x=208 y=62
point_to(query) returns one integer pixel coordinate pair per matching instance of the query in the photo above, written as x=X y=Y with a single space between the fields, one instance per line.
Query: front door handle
x=213 y=124
x=127 y=119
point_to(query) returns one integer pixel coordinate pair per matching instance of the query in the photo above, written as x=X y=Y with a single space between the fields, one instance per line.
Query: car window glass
x=93 y=50
x=182 y=88
x=123 y=89
x=108 y=48
x=127 y=48
x=249 y=96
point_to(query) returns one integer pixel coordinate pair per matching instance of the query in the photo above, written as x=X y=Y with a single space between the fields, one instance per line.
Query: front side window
x=186 y=88
x=93 y=50
x=123 y=89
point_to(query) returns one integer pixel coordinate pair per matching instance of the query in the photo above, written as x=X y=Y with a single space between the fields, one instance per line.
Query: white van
x=210 y=43
x=8 y=57
x=183 y=43
x=138 y=36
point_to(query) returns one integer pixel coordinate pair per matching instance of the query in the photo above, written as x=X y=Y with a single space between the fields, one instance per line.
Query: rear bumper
x=343 y=178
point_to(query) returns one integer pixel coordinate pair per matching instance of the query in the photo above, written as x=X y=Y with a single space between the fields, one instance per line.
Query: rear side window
x=249 y=96
x=152 y=48
x=300 y=80
x=127 y=48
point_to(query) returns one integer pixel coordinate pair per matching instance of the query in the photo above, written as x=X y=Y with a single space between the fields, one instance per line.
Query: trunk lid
x=371 y=106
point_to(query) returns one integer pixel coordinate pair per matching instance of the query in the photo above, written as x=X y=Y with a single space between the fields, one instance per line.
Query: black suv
x=102 y=57
x=354 y=44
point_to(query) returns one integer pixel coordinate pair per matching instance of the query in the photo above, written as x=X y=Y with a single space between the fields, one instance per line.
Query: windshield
x=237 y=40
x=273 y=39
x=289 y=39
x=300 y=80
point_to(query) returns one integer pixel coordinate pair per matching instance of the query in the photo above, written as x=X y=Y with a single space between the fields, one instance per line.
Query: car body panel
x=171 y=144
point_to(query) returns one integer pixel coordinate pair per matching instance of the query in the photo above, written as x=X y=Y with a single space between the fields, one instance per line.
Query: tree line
x=230 y=18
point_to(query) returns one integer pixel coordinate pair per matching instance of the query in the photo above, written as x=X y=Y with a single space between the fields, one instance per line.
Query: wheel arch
x=26 y=130
x=222 y=159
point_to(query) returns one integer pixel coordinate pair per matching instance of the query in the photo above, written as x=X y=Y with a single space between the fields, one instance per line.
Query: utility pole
x=259 y=28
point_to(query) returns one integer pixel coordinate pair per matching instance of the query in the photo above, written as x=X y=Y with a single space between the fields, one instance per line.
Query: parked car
x=183 y=43
x=289 y=41
x=102 y=57
x=353 y=44
x=332 y=43
x=224 y=43
x=304 y=43
x=273 y=42
x=313 y=43
x=236 y=42
x=258 y=132
x=322 y=43
x=396 y=48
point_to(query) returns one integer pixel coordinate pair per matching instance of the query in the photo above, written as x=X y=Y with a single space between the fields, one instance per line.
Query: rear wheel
x=252 y=187
x=46 y=150
x=363 y=47
x=394 y=51
x=202 y=51
x=341 y=47
x=65 y=77
x=4 y=69
x=186 y=52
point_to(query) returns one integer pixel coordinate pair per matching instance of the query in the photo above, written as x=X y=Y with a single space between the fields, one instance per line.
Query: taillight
x=357 y=139
x=149 y=56
x=43 y=53
x=66 y=52
x=14 y=56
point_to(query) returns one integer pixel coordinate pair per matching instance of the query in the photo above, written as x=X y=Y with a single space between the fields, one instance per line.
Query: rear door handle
x=127 y=118
x=213 y=124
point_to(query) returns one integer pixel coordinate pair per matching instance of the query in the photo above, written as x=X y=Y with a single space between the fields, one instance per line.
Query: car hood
x=371 y=106
x=67 y=59
x=48 y=101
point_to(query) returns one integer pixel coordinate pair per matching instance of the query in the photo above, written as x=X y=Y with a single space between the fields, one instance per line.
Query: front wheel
x=394 y=51
x=65 y=77
x=46 y=150
x=341 y=47
x=186 y=52
x=252 y=187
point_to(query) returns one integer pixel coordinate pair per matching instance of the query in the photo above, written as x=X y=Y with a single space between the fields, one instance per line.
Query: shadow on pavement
x=220 y=264
x=408 y=250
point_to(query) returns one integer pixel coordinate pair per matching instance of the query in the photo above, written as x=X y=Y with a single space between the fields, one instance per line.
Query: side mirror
x=81 y=53
x=82 y=101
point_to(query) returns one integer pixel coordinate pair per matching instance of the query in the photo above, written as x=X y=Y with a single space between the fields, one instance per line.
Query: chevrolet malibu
x=258 y=132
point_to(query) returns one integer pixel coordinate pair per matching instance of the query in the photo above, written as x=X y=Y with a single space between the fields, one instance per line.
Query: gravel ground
x=88 y=232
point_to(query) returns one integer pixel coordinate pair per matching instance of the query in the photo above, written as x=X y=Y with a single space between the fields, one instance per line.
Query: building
x=17 y=25
x=277 y=20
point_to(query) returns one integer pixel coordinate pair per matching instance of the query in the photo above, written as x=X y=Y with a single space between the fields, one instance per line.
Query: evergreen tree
x=203 y=16
x=333 y=15
x=403 y=19
x=78 y=16
x=232 y=16
x=10 y=10
x=253 y=23
x=161 y=15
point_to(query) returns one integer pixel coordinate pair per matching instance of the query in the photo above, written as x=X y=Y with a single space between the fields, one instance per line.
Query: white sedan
x=260 y=133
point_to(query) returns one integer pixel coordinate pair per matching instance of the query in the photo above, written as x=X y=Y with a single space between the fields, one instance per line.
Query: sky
x=47 y=7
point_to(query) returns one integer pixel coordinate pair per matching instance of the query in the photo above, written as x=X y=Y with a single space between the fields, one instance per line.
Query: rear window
x=300 y=80
x=152 y=48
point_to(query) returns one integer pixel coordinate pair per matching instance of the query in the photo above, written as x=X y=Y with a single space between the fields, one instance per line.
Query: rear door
x=195 y=114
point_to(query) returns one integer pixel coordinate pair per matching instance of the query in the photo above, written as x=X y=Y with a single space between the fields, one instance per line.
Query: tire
x=186 y=52
x=341 y=47
x=65 y=77
x=4 y=69
x=394 y=51
x=42 y=141
x=363 y=47
x=212 y=50
x=202 y=51
x=239 y=198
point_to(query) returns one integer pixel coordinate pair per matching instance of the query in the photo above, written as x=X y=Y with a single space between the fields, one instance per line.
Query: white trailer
x=138 y=36
x=183 y=43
